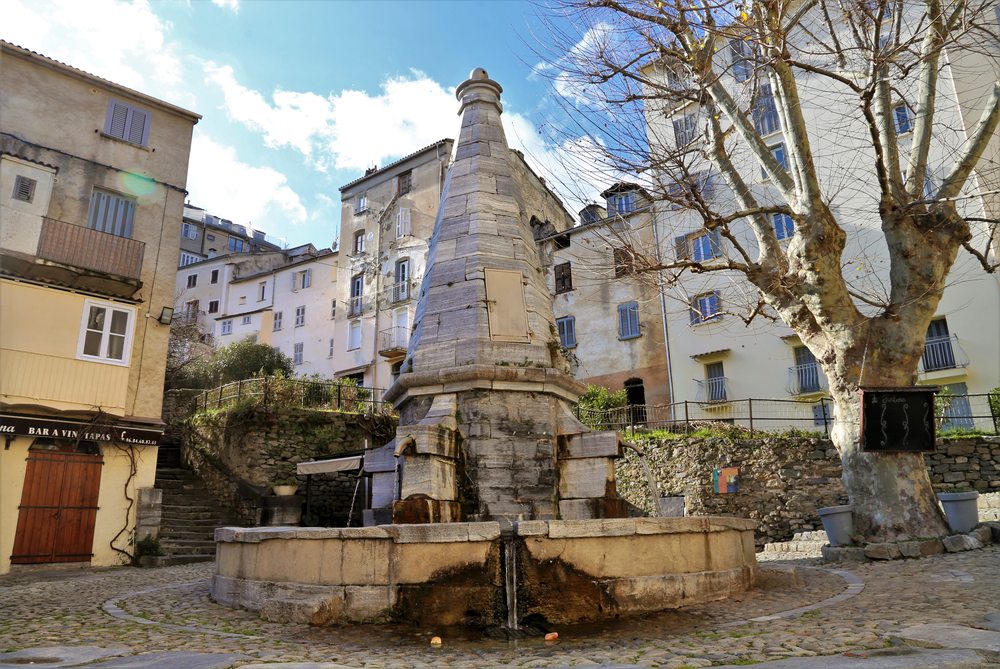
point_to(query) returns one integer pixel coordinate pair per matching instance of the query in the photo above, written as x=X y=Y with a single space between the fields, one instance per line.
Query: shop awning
x=349 y=464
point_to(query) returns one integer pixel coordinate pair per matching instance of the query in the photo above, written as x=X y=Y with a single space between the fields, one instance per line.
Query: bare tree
x=877 y=151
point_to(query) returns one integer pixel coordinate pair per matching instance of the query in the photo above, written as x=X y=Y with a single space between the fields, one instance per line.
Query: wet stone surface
x=168 y=609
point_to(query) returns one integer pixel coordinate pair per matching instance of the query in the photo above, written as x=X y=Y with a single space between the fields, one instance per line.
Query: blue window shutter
x=117 y=119
x=681 y=247
x=716 y=240
x=715 y=304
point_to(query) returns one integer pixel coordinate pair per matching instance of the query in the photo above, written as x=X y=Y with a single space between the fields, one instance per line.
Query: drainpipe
x=663 y=312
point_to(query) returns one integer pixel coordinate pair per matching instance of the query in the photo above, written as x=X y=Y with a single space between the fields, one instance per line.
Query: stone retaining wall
x=241 y=452
x=453 y=573
x=783 y=479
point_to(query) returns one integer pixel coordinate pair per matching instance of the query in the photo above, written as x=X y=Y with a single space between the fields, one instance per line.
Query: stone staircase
x=189 y=516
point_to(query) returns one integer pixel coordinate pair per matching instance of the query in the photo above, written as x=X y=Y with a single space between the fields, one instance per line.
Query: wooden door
x=58 y=506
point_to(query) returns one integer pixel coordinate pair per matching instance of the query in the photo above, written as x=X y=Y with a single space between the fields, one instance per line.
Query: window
x=330 y=354
x=401 y=289
x=354 y=336
x=191 y=309
x=359 y=242
x=277 y=321
x=192 y=280
x=404 y=183
x=261 y=291
x=227 y=326
x=686 y=129
x=403 y=227
x=247 y=320
x=742 y=54
x=111 y=213
x=361 y=205
x=300 y=316
x=591 y=214
x=778 y=151
x=784 y=226
x=215 y=276
x=628 y=320
x=333 y=309
x=567 y=331
x=764 y=112
x=213 y=306
x=622 y=203
x=24 y=188
x=624 y=262
x=106 y=333
x=806 y=371
x=715 y=382
x=561 y=242
x=297 y=353
x=301 y=280
x=188 y=259
x=564 y=277
x=210 y=238
x=821 y=414
x=902 y=118
x=705 y=307
x=958 y=412
x=237 y=245
x=938 y=351
x=127 y=122
x=703 y=246
x=189 y=231
x=357 y=288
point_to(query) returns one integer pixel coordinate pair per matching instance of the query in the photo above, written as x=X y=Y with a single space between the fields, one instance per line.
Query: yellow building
x=92 y=188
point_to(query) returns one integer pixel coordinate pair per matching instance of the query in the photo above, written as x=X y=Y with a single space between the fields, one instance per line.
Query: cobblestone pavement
x=169 y=609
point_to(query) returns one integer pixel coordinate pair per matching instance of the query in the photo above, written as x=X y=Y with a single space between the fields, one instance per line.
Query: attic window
x=562 y=242
x=24 y=189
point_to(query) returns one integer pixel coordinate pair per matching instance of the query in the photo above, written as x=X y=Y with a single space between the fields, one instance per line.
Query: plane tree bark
x=665 y=57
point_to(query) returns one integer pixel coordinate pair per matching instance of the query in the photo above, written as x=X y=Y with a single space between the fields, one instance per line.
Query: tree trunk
x=890 y=493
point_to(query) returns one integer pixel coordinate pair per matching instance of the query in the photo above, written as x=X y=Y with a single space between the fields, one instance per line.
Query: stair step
x=171 y=560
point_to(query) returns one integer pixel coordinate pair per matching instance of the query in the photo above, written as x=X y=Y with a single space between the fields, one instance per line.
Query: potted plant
x=961 y=509
x=285 y=487
x=838 y=521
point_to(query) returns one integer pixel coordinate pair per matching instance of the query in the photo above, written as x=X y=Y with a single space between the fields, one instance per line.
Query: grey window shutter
x=681 y=247
x=308 y=279
x=138 y=126
x=117 y=119
x=716 y=241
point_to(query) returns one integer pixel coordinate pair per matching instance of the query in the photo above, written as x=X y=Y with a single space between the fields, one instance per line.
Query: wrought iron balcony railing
x=805 y=379
x=712 y=390
x=397 y=293
x=355 y=305
x=393 y=341
x=942 y=353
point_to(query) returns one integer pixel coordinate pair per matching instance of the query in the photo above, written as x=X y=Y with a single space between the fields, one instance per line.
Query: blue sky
x=299 y=97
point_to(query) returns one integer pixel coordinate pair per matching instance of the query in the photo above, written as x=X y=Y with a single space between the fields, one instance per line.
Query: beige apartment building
x=714 y=357
x=92 y=187
x=206 y=236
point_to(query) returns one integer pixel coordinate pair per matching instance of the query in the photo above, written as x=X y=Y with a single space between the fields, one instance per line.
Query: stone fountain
x=506 y=505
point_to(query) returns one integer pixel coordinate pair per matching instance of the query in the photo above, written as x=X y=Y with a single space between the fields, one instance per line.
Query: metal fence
x=275 y=391
x=953 y=413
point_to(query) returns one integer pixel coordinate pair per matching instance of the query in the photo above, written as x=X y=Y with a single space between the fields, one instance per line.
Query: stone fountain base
x=454 y=573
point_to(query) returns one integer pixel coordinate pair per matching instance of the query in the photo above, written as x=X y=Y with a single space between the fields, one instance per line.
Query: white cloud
x=125 y=42
x=220 y=182
x=569 y=73
x=232 y=5
x=347 y=130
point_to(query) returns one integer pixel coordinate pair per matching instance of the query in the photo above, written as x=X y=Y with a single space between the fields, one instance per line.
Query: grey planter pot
x=838 y=521
x=960 y=509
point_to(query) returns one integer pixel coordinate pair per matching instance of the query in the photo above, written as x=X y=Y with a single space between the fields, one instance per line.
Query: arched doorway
x=635 y=393
x=58 y=509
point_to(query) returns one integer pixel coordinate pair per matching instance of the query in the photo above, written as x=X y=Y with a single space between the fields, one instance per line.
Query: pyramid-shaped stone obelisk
x=486 y=430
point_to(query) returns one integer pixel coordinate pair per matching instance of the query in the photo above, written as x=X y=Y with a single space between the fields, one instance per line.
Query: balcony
x=712 y=390
x=355 y=305
x=75 y=256
x=397 y=293
x=392 y=342
x=942 y=353
x=806 y=379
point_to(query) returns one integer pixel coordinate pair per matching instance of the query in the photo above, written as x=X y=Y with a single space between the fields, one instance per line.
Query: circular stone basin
x=458 y=573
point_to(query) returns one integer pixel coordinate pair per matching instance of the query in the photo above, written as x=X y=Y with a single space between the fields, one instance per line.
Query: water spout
x=654 y=489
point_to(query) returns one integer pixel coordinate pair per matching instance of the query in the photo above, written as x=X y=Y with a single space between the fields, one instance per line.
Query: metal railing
x=90 y=249
x=399 y=292
x=953 y=413
x=355 y=305
x=393 y=339
x=308 y=394
x=942 y=353
x=804 y=379
x=712 y=390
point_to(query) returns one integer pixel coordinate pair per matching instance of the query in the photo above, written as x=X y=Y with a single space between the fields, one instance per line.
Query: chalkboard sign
x=897 y=419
